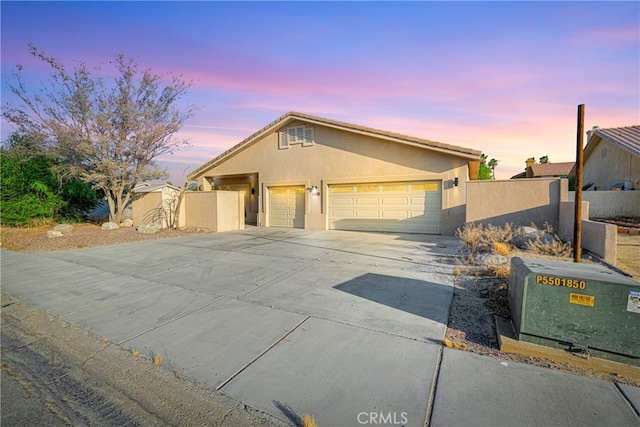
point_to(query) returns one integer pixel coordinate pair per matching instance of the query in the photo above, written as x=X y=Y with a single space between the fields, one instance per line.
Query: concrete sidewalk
x=343 y=326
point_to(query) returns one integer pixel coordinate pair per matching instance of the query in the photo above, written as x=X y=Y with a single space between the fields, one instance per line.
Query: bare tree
x=107 y=133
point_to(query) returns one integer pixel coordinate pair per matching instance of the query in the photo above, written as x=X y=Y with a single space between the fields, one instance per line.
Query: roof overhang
x=291 y=117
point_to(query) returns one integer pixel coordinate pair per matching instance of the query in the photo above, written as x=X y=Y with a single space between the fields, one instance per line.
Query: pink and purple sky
x=501 y=77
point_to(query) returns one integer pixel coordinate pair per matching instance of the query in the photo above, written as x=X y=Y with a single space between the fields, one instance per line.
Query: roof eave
x=292 y=116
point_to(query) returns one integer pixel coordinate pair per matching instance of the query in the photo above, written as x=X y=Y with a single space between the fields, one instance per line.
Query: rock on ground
x=149 y=228
x=110 y=226
x=63 y=228
x=491 y=259
x=530 y=234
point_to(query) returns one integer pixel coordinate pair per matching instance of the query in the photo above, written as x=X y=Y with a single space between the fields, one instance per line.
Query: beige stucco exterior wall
x=567 y=219
x=145 y=207
x=214 y=210
x=618 y=166
x=339 y=156
x=601 y=239
x=156 y=206
x=610 y=204
x=517 y=201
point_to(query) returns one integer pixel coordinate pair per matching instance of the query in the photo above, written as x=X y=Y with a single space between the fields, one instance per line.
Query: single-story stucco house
x=612 y=156
x=315 y=173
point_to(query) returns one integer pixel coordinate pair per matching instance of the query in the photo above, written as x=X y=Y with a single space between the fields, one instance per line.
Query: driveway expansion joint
x=170 y=321
x=265 y=351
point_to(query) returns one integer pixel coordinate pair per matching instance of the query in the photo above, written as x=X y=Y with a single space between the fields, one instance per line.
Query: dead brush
x=557 y=248
x=501 y=248
x=471 y=235
x=501 y=271
x=308 y=420
x=475 y=235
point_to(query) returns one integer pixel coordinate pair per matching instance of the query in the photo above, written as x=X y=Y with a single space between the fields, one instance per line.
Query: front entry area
x=286 y=206
x=404 y=207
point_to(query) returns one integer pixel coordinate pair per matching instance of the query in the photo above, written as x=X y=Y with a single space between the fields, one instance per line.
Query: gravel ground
x=34 y=239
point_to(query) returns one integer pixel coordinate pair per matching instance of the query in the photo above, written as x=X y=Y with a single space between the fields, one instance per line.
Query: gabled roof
x=627 y=138
x=295 y=116
x=520 y=175
x=151 y=188
x=552 y=169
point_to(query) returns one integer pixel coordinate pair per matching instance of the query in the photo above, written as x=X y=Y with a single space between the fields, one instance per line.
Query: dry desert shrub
x=502 y=271
x=475 y=235
x=497 y=240
x=501 y=248
x=479 y=239
x=556 y=248
x=308 y=421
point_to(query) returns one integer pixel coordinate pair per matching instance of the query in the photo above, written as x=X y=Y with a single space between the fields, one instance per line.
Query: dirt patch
x=82 y=379
x=85 y=235
x=628 y=255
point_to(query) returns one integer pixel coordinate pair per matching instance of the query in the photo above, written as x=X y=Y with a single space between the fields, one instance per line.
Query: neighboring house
x=612 y=156
x=545 y=170
x=311 y=172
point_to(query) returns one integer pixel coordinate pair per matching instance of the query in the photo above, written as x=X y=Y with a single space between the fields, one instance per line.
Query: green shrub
x=31 y=192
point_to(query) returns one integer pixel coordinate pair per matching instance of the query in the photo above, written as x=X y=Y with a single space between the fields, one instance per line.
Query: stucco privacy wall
x=518 y=201
x=610 y=204
x=340 y=157
x=145 y=207
x=567 y=219
x=601 y=239
x=213 y=210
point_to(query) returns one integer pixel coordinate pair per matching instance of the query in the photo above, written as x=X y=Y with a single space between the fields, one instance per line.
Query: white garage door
x=407 y=207
x=286 y=207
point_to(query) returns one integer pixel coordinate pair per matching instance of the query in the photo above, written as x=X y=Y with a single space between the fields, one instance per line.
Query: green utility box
x=580 y=307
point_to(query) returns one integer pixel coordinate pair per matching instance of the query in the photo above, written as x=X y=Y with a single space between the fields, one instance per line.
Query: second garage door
x=286 y=207
x=406 y=207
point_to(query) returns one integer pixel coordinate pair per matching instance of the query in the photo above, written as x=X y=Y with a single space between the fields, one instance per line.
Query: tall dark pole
x=577 y=218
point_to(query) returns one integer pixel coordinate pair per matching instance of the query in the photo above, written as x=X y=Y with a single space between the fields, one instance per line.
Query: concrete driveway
x=341 y=325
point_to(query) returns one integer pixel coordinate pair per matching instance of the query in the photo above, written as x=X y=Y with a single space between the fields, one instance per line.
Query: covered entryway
x=286 y=206
x=406 y=207
x=246 y=183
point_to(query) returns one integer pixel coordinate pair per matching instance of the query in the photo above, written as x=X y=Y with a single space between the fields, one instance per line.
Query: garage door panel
x=286 y=207
x=346 y=201
x=400 y=201
x=344 y=214
x=420 y=201
x=367 y=201
x=412 y=207
x=367 y=214
x=395 y=214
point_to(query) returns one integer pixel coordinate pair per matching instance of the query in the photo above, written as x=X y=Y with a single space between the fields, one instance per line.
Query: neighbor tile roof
x=293 y=115
x=552 y=169
x=627 y=138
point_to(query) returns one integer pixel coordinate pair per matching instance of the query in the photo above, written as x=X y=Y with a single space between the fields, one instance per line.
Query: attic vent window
x=296 y=135
x=603 y=153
